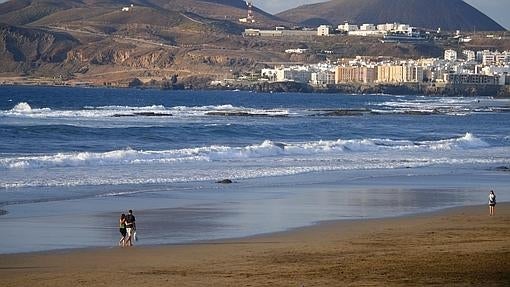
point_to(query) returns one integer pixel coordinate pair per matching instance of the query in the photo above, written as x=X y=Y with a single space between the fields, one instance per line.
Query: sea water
x=73 y=159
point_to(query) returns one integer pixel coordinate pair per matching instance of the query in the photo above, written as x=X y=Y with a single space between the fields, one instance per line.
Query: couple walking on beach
x=127 y=227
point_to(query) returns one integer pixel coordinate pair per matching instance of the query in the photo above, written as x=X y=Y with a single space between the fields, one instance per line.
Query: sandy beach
x=455 y=247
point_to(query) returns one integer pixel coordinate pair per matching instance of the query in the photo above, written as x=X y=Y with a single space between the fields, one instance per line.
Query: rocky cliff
x=26 y=50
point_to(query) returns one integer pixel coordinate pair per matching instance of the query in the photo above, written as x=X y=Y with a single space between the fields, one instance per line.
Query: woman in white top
x=492 y=202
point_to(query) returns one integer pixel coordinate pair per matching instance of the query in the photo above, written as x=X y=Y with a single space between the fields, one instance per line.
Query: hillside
x=94 y=41
x=24 y=50
x=30 y=12
x=448 y=14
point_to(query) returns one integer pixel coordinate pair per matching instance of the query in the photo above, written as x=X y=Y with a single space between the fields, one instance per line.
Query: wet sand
x=456 y=247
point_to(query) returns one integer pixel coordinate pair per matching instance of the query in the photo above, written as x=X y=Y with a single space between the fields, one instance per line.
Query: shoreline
x=289 y=231
x=427 y=89
x=452 y=246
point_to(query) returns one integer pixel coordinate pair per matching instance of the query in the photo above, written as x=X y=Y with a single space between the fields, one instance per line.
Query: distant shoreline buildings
x=365 y=30
x=474 y=67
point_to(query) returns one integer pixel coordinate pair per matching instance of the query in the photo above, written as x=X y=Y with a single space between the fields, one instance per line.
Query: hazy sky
x=498 y=10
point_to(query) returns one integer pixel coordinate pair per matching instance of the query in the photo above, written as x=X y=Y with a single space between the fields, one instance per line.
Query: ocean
x=73 y=159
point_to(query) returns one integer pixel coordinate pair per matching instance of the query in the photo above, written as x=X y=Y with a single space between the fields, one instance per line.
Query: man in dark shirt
x=130 y=227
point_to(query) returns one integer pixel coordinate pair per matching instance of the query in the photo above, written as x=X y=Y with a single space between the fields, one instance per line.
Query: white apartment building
x=367 y=27
x=450 y=55
x=394 y=27
x=495 y=58
x=469 y=55
x=322 y=78
x=367 y=30
x=297 y=74
x=323 y=30
x=346 y=27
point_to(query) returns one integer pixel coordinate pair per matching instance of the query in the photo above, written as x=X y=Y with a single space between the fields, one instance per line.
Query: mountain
x=449 y=15
x=28 y=12
x=98 y=41
x=95 y=41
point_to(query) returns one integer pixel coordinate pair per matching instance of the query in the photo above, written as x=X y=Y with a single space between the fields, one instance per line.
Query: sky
x=496 y=9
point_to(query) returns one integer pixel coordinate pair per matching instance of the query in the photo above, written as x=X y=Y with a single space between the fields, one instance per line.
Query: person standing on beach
x=122 y=229
x=130 y=227
x=492 y=202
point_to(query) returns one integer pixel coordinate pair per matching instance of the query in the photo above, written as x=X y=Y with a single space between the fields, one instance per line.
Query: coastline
x=428 y=89
x=456 y=246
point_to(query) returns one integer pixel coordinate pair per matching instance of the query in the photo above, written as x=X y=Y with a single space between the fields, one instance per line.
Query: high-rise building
x=355 y=75
x=469 y=55
x=450 y=55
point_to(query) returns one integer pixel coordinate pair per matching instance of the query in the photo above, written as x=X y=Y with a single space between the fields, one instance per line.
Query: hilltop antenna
x=250 y=18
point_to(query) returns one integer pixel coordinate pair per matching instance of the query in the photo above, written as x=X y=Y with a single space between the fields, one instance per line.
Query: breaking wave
x=419 y=106
x=266 y=149
x=23 y=109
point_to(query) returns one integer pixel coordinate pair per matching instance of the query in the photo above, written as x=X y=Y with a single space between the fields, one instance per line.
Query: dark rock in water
x=3 y=212
x=122 y=115
x=142 y=114
x=339 y=113
x=225 y=181
x=240 y=114
x=153 y=114
x=503 y=168
x=422 y=113
x=233 y=114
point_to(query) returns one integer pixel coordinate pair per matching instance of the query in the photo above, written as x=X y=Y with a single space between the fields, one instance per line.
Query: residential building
x=368 y=27
x=495 y=58
x=450 y=55
x=412 y=74
x=390 y=74
x=469 y=55
x=322 y=78
x=323 y=30
x=346 y=27
x=394 y=28
x=296 y=73
x=471 y=79
x=355 y=74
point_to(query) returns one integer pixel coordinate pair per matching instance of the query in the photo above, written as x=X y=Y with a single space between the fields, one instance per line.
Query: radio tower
x=250 y=18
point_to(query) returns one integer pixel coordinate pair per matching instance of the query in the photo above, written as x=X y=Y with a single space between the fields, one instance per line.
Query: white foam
x=267 y=149
x=458 y=106
x=25 y=110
